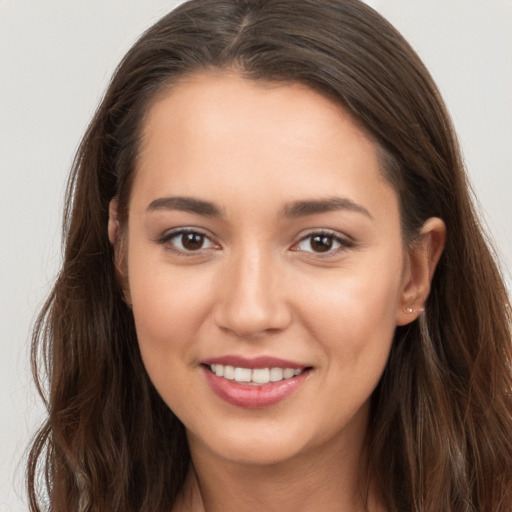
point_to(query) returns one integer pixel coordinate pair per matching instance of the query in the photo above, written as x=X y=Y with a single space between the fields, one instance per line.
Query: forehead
x=209 y=100
x=209 y=131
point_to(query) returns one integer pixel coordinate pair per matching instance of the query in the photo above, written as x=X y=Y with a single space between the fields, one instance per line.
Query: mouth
x=254 y=383
x=255 y=376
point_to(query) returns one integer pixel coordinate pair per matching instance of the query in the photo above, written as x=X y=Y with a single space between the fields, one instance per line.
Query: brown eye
x=186 y=241
x=321 y=243
x=192 y=241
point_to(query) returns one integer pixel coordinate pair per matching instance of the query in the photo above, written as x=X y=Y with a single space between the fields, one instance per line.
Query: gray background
x=56 y=58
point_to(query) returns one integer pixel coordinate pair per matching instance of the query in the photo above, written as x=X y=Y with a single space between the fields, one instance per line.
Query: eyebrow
x=292 y=210
x=316 y=206
x=185 y=204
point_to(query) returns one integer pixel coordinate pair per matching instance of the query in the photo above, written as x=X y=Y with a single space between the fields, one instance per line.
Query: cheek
x=169 y=309
x=169 y=306
x=353 y=314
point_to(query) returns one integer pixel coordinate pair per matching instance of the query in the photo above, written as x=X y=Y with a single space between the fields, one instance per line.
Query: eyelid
x=166 y=237
x=345 y=242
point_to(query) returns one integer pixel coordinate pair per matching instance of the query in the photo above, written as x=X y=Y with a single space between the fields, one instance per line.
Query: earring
x=408 y=310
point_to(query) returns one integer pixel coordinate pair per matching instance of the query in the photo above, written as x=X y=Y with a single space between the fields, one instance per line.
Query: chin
x=252 y=446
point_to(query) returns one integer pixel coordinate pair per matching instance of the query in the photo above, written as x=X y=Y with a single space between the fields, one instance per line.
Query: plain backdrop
x=56 y=57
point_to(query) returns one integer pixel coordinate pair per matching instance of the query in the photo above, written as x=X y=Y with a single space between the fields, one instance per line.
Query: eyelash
x=342 y=243
x=166 y=240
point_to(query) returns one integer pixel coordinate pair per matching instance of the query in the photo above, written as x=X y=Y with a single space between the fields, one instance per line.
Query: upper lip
x=254 y=362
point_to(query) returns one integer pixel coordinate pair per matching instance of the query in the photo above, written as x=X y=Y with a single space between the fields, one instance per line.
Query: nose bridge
x=252 y=299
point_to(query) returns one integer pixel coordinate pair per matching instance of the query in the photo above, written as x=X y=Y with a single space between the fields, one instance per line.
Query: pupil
x=192 y=241
x=321 y=243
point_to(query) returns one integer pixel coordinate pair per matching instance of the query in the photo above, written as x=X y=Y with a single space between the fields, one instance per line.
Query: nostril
x=251 y=320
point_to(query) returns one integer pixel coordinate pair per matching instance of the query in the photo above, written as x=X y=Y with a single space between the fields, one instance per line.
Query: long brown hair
x=440 y=435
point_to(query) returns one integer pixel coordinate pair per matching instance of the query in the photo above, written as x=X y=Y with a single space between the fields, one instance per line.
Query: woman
x=275 y=292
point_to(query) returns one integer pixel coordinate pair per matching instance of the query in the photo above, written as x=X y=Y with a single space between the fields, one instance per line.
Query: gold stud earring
x=408 y=310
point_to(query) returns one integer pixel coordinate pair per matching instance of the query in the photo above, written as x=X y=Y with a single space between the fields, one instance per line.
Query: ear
x=113 y=221
x=117 y=239
x=422 y=257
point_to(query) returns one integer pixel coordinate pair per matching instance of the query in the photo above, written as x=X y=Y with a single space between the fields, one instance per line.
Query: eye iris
x=192 y=241
x=321 y=243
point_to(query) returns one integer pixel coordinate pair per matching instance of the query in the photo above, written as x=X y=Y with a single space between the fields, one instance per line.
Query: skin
x=258 y=286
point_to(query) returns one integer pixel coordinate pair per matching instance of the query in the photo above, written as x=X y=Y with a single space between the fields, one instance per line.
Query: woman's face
x=265 y=266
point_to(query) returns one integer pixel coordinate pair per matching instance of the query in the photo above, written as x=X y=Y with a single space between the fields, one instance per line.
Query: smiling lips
x=256 y=376
x=255 y=383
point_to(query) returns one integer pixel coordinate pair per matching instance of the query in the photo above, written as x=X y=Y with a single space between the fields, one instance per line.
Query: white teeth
x=276 y=374
x=255 y=376
x=229 y=372
x=288 y=373
x=243 y=374
x=261 y=375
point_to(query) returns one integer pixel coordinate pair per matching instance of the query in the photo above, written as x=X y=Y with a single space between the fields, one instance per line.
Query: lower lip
x=253 y=396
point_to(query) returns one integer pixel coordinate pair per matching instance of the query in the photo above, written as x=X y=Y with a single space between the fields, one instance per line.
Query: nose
x=252 y=296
